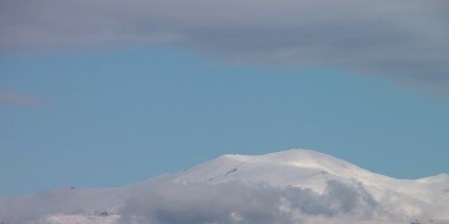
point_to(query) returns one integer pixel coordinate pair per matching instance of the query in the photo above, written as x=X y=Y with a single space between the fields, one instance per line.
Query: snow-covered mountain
x=295 y=186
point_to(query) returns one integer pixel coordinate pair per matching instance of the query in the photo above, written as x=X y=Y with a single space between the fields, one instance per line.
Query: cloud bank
x=403 y=39
x=161 y=201
x=169 y=203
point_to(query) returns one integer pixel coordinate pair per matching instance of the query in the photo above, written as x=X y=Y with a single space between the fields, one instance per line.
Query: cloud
x=29 y=209
x=162 y=201
x=16 y=99
x=405 y=39
x=170 y=203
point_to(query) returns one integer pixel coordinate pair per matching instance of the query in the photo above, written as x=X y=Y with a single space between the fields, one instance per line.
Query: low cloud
x=169 y=203
x=9 y=98
x=29 y=209
x=161 y=201
x=405 y=39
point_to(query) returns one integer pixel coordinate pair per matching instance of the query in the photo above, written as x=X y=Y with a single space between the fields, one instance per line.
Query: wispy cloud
x=405 y=39
x=10 y=98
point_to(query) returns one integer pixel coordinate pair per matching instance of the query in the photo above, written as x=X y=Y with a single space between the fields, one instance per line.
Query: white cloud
x=161 y=201
x=234 y=202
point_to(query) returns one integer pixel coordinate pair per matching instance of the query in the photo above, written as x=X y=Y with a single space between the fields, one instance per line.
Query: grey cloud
x=29 y=208
x=403 y=39
x=161 y=201
x=170 y=203
x=12 y=98
x=345 y=199
x=37 y=207
x=202 y=203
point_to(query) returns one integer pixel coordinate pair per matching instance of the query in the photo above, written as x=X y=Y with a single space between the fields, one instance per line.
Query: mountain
x=295 y=186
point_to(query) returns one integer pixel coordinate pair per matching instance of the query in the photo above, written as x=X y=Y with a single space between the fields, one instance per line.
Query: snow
x=311 y=169
x=298 y=168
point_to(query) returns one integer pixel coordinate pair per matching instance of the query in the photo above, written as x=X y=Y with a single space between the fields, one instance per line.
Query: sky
x=108 y=93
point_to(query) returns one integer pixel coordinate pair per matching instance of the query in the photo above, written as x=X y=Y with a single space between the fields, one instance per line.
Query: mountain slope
x=295 y=186
x=313 y=170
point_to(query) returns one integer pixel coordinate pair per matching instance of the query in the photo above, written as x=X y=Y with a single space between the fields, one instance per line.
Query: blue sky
x=94 y=111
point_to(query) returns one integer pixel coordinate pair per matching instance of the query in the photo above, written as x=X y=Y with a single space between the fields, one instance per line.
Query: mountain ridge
x=300 y=186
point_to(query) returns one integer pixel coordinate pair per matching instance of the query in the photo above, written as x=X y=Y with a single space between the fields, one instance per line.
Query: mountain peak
x=295 y=167
x=291 y=153
x=299 y=158
x=287 y=156
x=294 y=182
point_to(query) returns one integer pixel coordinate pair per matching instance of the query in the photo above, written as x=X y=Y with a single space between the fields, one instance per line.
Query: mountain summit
x=295 y=167
x=294 y=186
